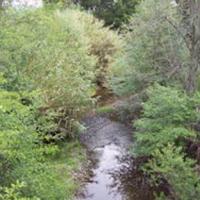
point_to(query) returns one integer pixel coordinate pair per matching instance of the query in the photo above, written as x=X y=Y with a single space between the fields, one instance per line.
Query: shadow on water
x=114 y=175
x=130 y=182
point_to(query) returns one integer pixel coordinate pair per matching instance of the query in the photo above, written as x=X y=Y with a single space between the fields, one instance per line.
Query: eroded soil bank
x=113 y=174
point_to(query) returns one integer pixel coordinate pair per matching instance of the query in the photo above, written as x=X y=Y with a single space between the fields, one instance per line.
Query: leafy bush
x=170 y=164
x=14 y=192
x=168 y=115
x=22 y=155
x=167 y=119
x=51 y=50
x=104 y=44
x=58 y=53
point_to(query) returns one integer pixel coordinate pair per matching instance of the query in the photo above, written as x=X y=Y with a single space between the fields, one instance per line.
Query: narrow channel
x=113 y=174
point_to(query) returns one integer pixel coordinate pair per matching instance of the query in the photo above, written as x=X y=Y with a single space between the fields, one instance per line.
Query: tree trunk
x=191 y=81
x=190 y=11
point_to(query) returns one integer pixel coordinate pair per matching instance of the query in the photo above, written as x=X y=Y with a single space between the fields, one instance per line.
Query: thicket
x=59 y=57
x=154 y=50
x=50 y=62
x=166 y=123
x=23 y=156
x=167 y=117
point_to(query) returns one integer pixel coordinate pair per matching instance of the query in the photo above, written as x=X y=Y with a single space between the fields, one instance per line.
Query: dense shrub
x=43 y=47
x=104 y=44
x=154 y=50
x=14 y=192
x=168 y=116
x=43 y=50
x=166 y=121
x=61 y=54
x=23 y=156
x=170 y=164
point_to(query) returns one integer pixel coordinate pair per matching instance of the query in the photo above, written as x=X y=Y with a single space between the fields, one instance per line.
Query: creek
x=113 y=175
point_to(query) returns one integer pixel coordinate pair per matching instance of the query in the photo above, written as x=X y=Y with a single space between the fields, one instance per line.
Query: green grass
x=67 y=161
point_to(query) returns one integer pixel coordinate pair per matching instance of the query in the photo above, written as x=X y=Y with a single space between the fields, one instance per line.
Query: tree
x=113 y=12
x=190 y=11
x=163 y=44
x=154 y=50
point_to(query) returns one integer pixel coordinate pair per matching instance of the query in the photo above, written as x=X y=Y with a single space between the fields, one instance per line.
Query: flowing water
x=114 y=175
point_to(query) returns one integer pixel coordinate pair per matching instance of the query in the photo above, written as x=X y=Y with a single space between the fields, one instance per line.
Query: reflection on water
x=130 y=182
x=115 y=177
x=115 y=174
x=101 y=185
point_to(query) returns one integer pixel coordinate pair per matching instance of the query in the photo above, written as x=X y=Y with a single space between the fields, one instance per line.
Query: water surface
x=114 y=175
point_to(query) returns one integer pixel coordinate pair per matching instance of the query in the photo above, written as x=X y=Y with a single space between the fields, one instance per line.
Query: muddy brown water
x=113 y=173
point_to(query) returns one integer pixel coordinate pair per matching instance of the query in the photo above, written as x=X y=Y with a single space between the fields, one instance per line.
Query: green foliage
x=60 y=54
x=154 y=50
x=167 y=116
x=170 y=163
x=104 y=44
x=24 y=158
x=14 y=192
x=68 y=159
x=166 y=120
x=158 y=52
x=45 y=46
x=114 y=13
